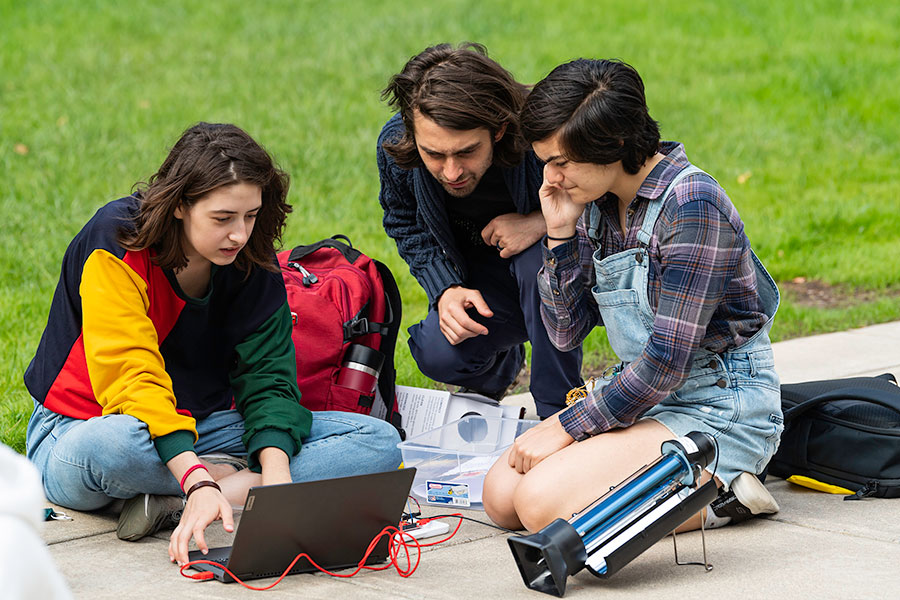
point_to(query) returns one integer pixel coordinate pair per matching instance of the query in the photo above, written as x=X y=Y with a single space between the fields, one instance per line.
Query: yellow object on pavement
x=819 y=486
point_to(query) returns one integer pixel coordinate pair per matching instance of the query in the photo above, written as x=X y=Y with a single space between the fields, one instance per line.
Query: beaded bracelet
x=200 y=484
x=191 y=470
x=563 y=239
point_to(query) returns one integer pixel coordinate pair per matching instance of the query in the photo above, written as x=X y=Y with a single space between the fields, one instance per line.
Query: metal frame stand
x=705 y=564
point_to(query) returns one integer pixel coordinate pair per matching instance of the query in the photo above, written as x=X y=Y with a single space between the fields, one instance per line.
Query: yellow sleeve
x=126 y=369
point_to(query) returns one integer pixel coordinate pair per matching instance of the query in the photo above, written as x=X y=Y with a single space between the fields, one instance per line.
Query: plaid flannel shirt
x=702 y=288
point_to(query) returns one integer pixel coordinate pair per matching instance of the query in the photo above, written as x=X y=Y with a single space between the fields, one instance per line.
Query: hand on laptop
x=205 y=505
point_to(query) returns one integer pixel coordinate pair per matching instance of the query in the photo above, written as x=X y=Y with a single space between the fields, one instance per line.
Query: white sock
x=713 y=520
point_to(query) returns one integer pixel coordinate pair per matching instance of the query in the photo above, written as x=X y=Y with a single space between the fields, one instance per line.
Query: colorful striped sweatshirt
x=123 y=338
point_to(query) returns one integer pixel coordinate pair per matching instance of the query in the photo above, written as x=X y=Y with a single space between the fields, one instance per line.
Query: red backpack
x=346 y=313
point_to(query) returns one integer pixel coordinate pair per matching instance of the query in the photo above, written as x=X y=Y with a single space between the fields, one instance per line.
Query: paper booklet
x=423 y=410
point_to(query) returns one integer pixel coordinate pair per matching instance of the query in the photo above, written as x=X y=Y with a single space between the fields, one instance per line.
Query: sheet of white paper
x=422 y=409
x=379 y=410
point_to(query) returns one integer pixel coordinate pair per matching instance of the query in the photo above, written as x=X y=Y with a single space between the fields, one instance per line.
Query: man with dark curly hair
x=459 y=188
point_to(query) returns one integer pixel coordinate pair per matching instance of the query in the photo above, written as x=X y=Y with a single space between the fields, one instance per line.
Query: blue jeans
x=85 y=465
x=489 y=363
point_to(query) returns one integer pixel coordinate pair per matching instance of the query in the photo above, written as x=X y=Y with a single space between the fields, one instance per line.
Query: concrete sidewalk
x=818 y=546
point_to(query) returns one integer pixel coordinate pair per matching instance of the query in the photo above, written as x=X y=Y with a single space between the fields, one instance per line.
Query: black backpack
x=844 y=432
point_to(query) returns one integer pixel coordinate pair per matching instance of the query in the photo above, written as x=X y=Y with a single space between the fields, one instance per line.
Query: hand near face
x=512 y=233
x=455 y=322
x=538 y=443
x=560 y=212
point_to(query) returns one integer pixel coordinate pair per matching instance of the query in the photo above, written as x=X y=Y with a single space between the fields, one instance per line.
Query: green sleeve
x=172 y=444
x=264 y=381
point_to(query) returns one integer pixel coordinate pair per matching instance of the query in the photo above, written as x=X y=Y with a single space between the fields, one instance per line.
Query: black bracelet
x=565 y=239
x=200 y=484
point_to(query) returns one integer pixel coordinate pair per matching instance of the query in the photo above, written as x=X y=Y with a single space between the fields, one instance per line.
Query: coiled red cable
x=397 y=543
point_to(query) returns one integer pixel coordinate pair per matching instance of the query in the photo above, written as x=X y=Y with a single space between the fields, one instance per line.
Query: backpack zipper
x=308 y=278
x=870 y=489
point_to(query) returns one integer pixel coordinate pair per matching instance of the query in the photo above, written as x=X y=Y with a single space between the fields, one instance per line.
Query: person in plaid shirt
x=649 y=246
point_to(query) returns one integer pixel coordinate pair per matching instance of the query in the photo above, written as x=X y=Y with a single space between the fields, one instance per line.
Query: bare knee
x=499 y=488
x=537 y=504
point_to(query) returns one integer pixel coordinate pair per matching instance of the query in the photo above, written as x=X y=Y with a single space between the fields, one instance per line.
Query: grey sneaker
x=148 y=513
x=747 y=498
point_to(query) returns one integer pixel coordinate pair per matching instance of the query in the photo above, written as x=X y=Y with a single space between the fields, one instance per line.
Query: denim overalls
x=734 y=396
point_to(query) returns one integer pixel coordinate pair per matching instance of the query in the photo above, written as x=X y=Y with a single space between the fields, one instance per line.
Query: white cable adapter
x=427 y=530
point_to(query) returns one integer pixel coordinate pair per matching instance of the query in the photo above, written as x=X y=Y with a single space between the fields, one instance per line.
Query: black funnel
x=547 y=558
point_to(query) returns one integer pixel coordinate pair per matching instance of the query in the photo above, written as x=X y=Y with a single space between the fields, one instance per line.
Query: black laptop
x=332 y=520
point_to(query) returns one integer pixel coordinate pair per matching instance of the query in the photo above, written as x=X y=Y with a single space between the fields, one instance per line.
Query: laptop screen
x=331 y=520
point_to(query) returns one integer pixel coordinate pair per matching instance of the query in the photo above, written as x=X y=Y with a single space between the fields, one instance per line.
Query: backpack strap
x=345 y=247
x=388 y=378
x=655 y=207
x=875 y=396
x=363 y=326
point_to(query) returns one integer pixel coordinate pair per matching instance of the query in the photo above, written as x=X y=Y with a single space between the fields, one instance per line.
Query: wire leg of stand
x=705 y=564
x=675 y=547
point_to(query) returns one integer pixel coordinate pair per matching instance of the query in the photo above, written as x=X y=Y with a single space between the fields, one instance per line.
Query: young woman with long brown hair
x=169 y=338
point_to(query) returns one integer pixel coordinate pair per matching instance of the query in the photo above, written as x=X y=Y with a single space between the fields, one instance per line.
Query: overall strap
x=593 y=222
x=655 y=206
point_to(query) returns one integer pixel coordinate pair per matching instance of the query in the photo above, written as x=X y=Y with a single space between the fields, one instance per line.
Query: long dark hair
x=207 y=157
x=598 y=108
x=458 y=88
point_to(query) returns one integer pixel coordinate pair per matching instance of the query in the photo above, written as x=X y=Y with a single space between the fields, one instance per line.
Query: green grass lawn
x=792 y=106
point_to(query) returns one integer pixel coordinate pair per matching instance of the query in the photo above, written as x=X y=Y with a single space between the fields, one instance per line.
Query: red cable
x=396 y=543
x=458 y=525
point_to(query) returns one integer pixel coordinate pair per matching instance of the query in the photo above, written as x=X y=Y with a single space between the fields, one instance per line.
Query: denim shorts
x=736 y=398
